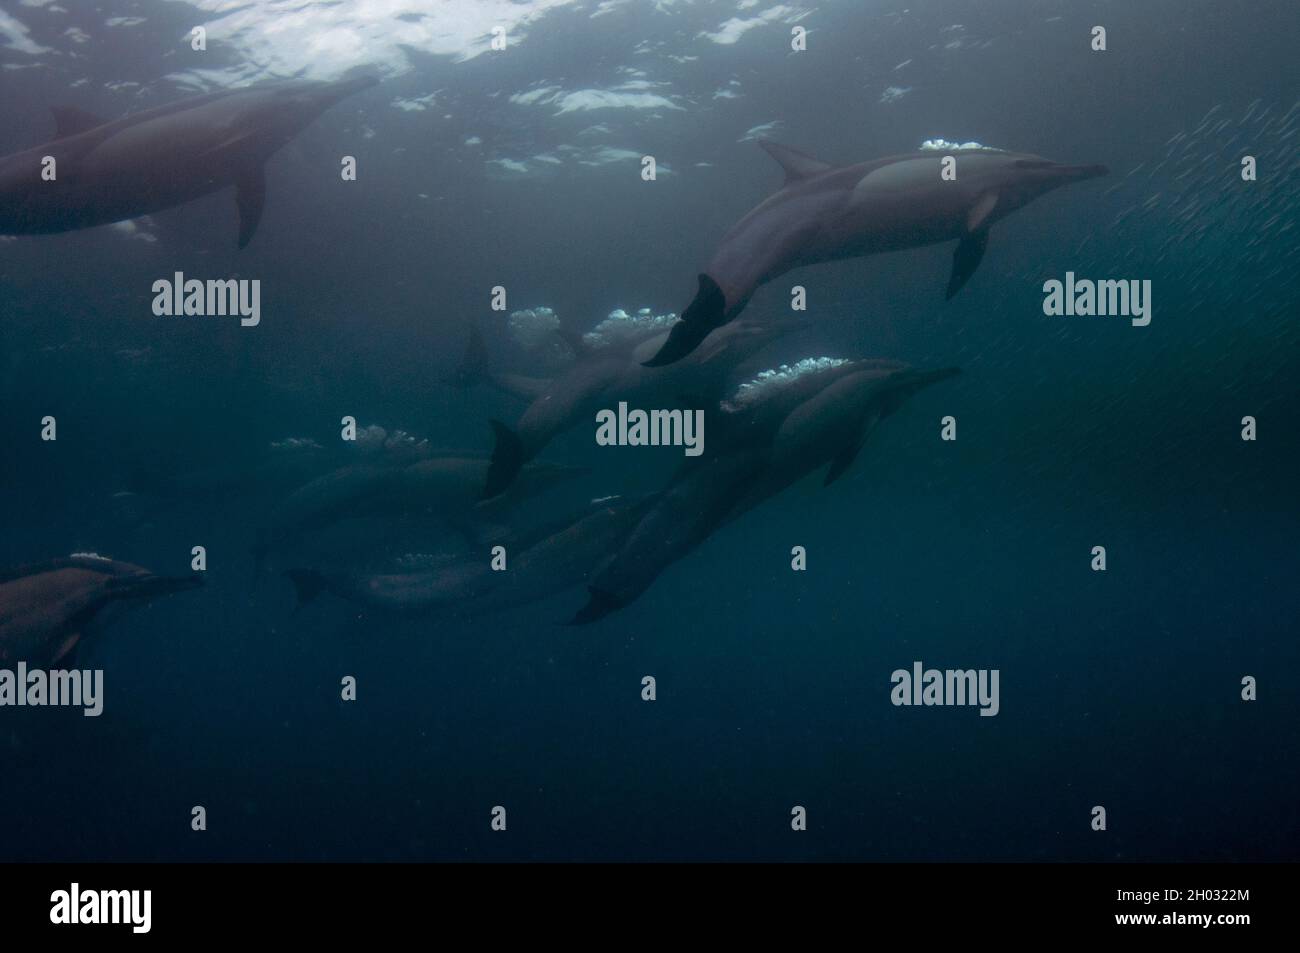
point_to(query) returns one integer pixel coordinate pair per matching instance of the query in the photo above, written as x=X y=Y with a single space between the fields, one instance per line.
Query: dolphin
x=832 y=426
x=277 y=469
x=601 y=376
x=421 y=590
x=825 y=420
x=110 y=171
x=449 y=484
x=825 y=213
x=542 y=563
x=45 y=608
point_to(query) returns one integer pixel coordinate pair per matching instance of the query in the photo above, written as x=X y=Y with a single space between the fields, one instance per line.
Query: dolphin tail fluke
x=250 y=197
x=600 y=604
x=682 y=339
x=307 y=585
x=508 y=459
x=706 y=312
x=967 y=257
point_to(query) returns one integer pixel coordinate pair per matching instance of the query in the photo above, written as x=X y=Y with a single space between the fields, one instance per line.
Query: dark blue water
x=1119 y=689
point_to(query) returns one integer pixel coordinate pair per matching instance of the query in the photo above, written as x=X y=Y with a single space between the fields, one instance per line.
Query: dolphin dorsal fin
x=797 y=165
x=70 y=120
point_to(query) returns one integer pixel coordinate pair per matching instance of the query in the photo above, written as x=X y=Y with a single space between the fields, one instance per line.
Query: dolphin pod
x=825 y=213
x=45 y=608
x=772 y=432
x=111 y=171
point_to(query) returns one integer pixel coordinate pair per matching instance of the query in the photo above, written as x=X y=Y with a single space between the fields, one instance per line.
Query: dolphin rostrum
x=110 y=171
x=46 y=607
x=826 y=213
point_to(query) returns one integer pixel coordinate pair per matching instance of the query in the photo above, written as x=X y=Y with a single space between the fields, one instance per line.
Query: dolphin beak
x=1079 y=173
x=926 y=378
x=911 y=381
x=149 y=586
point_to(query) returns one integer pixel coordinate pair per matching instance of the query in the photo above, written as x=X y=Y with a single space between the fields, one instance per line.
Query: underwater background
x=522 y=169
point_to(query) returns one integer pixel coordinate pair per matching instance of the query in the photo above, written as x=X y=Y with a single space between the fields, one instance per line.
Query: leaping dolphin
x=824 y=213
x=111 y=171
x=46 y=607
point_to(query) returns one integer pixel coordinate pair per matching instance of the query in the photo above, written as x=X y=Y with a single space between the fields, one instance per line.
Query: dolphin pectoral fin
x=797 y=165
x=707 y=311
x=250 y=196
x=508 y=459
x=70 y=120
x=843 y=461
x=967 y=257
x=598 y=606
x=980 y=211
x=970 y=250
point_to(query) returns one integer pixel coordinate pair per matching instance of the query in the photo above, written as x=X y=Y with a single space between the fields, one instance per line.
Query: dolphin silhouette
x=110 y=171
x=825 y=213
